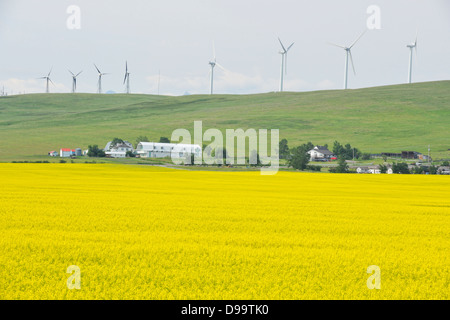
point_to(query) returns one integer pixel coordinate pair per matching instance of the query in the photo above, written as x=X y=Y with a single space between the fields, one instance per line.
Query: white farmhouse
x=163 y=150
x=119 y=150
x=320 y=153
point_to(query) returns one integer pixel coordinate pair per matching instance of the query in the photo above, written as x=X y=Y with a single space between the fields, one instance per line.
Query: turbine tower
x=74 y=81
x=212 y=64
x=99 y=84
x=127 y=77
x=48 y=80
x=283 y=53
x=411 y=47
x=348 y=53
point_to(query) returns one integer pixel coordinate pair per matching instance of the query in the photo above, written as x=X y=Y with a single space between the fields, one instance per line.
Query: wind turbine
x=48 y=80
x=213 y=64
x=283 y=53
x=127 y=77
x=411 y=47
x=100 y=74
x=348 y=53
x=74 y=82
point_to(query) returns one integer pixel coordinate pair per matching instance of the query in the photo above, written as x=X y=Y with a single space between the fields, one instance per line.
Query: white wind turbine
x=48 y=80
x=213 y=64
x=74 y=81
x=283 y=62
x=127 y=77
x=411 y=47
x=348 y=53
x=99 y=84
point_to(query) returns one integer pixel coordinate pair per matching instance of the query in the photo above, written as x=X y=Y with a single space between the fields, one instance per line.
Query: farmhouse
x=53 y=154
x=320 y=153
x=109 y=145
x=119 y=150
x=163 y=150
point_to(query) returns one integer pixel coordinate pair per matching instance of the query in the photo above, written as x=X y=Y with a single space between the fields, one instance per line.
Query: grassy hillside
x=392 y=118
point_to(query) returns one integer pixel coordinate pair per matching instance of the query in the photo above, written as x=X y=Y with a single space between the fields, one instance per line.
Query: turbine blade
x=290 y=47
x=351 y=61
x=78 y=74
x=72 y=73
x=50 y=72
x=221 y=67
x=214 y=51
x=51 y=81
x=284 y=49
x=336 y=45
x=357 y=39
x=125 y=79
x=97 y=68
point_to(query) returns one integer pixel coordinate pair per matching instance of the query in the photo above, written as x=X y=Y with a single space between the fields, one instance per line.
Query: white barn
x=163 y=150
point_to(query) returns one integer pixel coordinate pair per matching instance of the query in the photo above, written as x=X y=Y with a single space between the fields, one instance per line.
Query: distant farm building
x=163 y=150
x=109 y=145
x=66 y=153
x=411 y=155
x=369 y=169
x=53 y=154
x=320 y=153
x=391 y=155
x=119 y=150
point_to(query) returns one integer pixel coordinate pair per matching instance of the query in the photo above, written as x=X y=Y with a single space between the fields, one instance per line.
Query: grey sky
x=175 y=36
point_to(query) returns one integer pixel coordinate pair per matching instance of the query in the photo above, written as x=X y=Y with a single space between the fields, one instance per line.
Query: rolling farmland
x=375 y=120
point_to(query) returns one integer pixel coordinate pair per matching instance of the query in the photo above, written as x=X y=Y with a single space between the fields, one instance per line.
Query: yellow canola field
x=140 y=232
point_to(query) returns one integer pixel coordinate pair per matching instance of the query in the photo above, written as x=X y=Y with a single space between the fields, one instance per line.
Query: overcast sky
x=175 y=38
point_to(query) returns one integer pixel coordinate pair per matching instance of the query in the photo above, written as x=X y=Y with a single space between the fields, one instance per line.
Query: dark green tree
x=116 y=141
x=418 y=170
x=338 y=149
x=300 y=158
x=433 y=170
x=401 y=168
x=283 y=149
x=95 y=151
x=164 y=140
x=342 y=166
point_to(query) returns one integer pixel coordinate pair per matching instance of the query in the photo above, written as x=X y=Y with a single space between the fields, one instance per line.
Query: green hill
x=381 y=119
